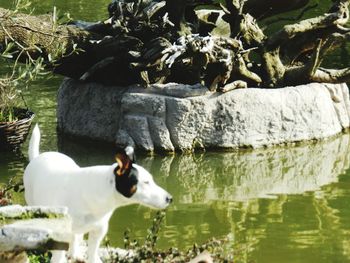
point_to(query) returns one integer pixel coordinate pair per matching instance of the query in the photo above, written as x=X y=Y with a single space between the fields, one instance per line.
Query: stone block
x=181 y=117
x=25 y=228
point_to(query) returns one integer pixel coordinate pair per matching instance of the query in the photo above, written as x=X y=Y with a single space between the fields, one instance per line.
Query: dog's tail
x=33 y=150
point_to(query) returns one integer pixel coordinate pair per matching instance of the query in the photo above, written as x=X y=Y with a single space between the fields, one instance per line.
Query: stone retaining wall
x=181 y=117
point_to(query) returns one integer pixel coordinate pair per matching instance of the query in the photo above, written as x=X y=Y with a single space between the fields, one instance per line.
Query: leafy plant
x=19 y=75
x=7 y=95
x=8 y=189
x=147 y=252
x=10 y=93
x=39 y=256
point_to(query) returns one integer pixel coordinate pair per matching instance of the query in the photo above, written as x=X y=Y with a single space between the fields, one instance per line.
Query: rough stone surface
x=18 y=211
x=181 y=117
x=25 y=228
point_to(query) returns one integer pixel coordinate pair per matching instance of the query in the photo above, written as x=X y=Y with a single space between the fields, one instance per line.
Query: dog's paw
x=94 y=260
x=76 y=259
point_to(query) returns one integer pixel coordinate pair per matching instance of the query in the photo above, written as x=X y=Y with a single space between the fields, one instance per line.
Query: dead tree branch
x=331 y=75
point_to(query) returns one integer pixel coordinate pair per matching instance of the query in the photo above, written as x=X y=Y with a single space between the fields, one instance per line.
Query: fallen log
x=40 y=36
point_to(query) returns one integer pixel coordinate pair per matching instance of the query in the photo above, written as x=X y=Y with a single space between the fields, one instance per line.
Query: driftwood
x=158 y=41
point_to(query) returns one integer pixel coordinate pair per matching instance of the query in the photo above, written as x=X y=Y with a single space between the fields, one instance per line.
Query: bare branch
x=238 y=84
x=331 y=75
x=339 y=17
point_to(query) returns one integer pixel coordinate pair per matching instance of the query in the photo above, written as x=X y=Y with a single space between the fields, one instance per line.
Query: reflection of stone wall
x=239 y=175
x=203 y=186
x=252 y=174
x=173 y=116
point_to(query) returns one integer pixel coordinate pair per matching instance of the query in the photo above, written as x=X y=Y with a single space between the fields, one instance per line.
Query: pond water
x=283 y=204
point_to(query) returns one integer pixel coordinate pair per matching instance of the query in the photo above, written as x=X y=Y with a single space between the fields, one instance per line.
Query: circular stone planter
x=181 y=117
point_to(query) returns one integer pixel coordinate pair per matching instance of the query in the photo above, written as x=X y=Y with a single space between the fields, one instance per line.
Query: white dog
x=91 y=194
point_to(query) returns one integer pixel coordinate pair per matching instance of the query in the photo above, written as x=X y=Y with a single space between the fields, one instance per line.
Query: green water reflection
x=284 y=204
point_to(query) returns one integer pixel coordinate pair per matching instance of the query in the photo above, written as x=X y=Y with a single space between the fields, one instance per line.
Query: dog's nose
x=169 y=199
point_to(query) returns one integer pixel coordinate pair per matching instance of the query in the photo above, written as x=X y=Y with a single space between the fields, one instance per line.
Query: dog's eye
x=146 y=182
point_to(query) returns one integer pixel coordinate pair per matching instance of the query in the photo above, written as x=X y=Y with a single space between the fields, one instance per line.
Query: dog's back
x=44 y=175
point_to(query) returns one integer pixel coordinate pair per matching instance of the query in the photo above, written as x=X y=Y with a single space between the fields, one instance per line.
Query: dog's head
x=137 y=184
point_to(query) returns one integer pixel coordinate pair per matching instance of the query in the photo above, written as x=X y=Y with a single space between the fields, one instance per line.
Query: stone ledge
x=25 y=228
x=180 y=117
x=30 y=212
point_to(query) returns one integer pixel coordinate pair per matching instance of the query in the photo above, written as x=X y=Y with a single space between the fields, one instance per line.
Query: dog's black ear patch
x=127 y=184
x=125 y=175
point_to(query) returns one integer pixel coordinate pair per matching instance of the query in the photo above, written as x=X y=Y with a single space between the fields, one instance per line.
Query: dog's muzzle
x=169 y=199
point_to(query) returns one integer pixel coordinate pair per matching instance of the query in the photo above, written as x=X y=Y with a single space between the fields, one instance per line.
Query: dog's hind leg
x=75 y=247
x=95 y=238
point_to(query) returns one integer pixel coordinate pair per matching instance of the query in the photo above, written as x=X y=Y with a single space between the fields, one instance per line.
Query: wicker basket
x=13 y=134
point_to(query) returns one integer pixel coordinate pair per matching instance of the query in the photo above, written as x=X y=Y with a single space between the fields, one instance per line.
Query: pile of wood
x=146 y=42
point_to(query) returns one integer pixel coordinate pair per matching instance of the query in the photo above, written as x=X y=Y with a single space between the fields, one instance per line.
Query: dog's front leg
x=95 y=238
x=58 y=256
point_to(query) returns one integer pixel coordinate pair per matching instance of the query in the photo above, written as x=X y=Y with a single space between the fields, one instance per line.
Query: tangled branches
x=159 y=41
x=166 y=41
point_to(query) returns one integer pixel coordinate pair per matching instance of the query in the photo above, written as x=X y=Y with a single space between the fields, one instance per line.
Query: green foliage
x=20 y=75
x=12 y=84
x=8 y=189
x=20 y=5
x=7 y=114
x=39 y=256
x=147 y=252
